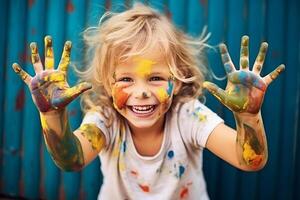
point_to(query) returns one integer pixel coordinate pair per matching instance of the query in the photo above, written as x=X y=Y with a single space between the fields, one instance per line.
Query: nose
x=142 y=92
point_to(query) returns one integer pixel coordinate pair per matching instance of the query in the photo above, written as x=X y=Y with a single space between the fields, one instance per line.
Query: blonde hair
x=134 y=32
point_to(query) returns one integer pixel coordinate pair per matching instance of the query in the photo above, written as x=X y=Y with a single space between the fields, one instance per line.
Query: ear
x=177 y=86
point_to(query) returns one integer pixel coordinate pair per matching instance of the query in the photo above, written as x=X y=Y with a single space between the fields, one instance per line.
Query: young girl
x=142 y=116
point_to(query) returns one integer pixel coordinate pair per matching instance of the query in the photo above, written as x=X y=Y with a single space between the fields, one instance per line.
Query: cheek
x=165 y=94
x=120 y=97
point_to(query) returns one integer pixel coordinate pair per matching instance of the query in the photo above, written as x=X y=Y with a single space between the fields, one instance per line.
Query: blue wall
x=26 y=170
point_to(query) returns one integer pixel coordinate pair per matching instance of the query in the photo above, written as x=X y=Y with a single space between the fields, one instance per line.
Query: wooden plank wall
x=26 y=170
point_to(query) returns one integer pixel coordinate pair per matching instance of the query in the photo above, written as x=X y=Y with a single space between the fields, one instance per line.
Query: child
x=142 y=116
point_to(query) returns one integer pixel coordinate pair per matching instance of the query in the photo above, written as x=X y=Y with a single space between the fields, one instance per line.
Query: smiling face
x=143 y=91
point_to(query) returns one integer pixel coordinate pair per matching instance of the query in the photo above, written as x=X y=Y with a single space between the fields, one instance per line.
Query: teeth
x=142 y=109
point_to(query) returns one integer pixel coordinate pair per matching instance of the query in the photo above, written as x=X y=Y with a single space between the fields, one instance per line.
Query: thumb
x=215 y=90
x=62 y=99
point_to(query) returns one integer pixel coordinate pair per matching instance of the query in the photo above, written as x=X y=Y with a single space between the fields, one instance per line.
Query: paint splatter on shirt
x=169 y=173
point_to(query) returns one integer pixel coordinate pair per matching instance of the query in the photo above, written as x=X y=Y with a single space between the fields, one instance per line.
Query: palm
x=49 y=87
x=245 y=89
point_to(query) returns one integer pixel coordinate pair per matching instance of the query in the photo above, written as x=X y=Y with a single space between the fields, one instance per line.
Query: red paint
x=203 y=3
x=184 y=192
x=24 y=56
x=20 y=99
x=33 y=31
x=145 y=188
x=30 y=3
x=70 y=7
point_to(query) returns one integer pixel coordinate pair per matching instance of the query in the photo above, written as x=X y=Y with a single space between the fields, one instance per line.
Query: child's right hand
x=49 y=87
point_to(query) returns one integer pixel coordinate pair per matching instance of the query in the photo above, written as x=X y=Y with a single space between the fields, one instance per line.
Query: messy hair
x=135 y=32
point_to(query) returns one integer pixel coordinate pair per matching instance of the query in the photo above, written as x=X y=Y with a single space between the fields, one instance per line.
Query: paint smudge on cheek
x=120 y=97
x=163 y=94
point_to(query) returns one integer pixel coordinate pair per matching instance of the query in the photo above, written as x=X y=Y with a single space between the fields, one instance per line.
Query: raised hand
x=245 y=89
x=49 y=87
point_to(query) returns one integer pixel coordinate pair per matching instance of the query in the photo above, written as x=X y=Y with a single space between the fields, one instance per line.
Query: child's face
x=143 y=90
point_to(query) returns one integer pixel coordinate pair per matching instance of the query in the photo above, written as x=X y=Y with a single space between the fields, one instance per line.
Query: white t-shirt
x=175 y=172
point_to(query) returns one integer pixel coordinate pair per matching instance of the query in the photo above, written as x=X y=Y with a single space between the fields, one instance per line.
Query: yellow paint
x=162 y=95
x=143 y=66
x=94 y=135
x=65 y=58
x=49 y=58
x=201 y=117
x=250 y=156
x=44 y=123
x=55 y=77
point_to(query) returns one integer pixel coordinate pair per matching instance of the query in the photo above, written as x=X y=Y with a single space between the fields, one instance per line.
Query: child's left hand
x=245 y=89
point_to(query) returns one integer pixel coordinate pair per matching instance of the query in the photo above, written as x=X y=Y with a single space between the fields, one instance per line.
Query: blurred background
x=27 y=171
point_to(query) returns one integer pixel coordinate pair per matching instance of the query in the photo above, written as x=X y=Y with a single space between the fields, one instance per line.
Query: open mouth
x=142 y=110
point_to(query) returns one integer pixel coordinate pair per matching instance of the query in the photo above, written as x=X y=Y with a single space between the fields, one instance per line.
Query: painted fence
x=26 y=169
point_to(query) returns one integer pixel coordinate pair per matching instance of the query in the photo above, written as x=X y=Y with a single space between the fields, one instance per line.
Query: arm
x=51 y=94
x=245 y=147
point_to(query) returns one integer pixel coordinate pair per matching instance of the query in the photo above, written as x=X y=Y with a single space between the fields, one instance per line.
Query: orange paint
x=145 y=188
x=120 y=97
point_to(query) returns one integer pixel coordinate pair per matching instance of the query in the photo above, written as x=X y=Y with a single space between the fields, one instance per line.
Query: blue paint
x=170 y=154
x=181 y=170
x=170 y=87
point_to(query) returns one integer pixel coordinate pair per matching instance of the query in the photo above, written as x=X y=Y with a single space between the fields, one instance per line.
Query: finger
x=260 y=59
x=65 y=58
x=63 y=99
x=49 y=57
x=35 y=58
x=24 y=75
x=274 y=74
x=228 y=64
x=215 y=90
x=244 y=54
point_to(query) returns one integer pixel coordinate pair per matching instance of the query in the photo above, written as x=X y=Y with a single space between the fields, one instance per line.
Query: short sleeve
x=99 y=121
x=196 y=122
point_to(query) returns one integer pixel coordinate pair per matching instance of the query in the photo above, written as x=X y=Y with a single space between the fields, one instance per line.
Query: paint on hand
x=143 y=67
x=34 y=53
x=19 y=71
x=120 y=97
x=94 y=135
x=65 y=58
x=49 y=58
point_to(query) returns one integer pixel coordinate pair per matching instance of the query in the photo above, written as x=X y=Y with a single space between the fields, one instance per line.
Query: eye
x=156 y=78
x=125 y=79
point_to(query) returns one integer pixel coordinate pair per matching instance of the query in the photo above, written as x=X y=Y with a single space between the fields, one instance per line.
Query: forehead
x=147 y=63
